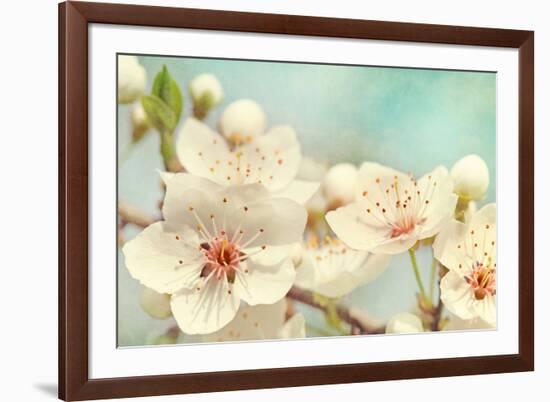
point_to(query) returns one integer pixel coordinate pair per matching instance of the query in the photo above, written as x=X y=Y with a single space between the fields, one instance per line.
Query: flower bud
x=339 y=184
x=157 y=305
x=131 y=79
x=140 y=123
x=242 y=120
x=404 y=323
x=471 y=177
x=206 y=92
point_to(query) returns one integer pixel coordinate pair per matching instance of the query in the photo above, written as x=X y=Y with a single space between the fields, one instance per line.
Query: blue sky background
x=410 y=119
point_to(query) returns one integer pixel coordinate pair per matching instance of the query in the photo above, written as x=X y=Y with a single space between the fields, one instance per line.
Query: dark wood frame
x=74 y=17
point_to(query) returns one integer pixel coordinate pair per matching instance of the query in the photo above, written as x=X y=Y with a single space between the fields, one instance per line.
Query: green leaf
x=166 y=88
x=161 y=116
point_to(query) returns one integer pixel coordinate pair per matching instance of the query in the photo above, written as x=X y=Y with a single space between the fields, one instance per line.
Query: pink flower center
x=403 y=227
x=482 y=280
x=399 y=202
x=223 y=257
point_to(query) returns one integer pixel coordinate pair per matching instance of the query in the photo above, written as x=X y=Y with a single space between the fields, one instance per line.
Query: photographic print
x=262 y=200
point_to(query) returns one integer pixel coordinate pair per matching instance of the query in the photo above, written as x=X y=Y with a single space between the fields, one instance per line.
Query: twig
x=437 y=316
x=352 y=316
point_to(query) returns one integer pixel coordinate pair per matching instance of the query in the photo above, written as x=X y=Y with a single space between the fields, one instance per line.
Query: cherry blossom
x=393 y=210
x=217 y=246
x=272 y=160
x=468 y=250
x=332 y=269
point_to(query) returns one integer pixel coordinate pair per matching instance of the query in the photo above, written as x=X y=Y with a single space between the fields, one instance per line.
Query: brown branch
x=131 y=214
x=354 y=317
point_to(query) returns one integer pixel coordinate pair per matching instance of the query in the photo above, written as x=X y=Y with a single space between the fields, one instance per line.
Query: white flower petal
x=264 y=284
x=276 y=221
x=334 y=273
x=485 y=216
x=483 y=226
x=300 y=191
x=348 y=224
x=164 y=261
x=206 y=310
x=375 y=265
x=203 y=152
x=369 y=174
x=184 y=191
x=486 y=309
x=264 y=321
x=438 y=189
x=270 y=255
x=395 y=245
x=185 y=211
x=457 y=295
x=240 y=196
x=456 y=324
x=306 y=272
x=404 y=323
x=272 y=159
x=456 y=244
x=295 y=327
x=446 y=246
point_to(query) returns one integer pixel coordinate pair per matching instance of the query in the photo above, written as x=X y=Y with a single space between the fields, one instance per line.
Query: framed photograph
x=260 y=200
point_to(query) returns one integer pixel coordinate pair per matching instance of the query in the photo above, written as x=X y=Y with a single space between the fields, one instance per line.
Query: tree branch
x=354 y=317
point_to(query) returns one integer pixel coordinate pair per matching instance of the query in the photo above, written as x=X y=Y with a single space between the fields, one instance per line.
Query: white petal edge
x=265 y=284
x=153 y=258
x=204 y=311
x=299 y=191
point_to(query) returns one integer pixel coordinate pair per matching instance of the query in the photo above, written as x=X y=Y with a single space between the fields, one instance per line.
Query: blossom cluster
x=247 y=217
